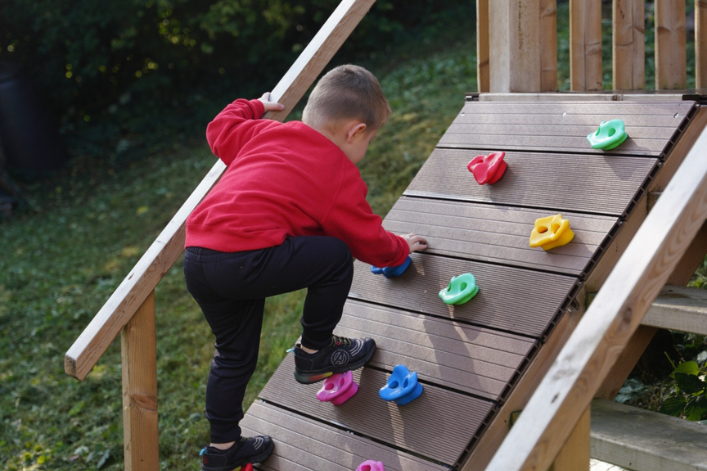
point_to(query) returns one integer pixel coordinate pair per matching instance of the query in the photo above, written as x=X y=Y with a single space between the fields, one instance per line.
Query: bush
x=141 y=70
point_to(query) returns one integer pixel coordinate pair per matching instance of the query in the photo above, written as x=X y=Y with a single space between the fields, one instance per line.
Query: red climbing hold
x=488 y=168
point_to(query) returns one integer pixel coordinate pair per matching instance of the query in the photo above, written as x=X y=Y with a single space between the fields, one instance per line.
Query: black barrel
x=28 y=134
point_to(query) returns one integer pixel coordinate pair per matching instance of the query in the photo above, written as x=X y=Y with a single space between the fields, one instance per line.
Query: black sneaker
x=340 y=356
x=244 y=451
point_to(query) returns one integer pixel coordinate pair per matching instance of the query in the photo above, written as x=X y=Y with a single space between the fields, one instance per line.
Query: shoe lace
x=338 y=341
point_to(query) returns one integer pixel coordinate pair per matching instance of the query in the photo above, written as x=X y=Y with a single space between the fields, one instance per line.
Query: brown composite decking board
x=580 y=183
x=497 y=234
x=567 y=135
x=511 y=299
x=304 y=444
x=564 y=118
x=450 y=354
x=438 y=424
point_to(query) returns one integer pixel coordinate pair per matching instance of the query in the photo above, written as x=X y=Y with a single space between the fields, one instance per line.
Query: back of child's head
x=347 y=92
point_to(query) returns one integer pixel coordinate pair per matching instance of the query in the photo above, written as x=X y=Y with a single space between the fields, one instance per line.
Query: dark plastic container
x=28 y=134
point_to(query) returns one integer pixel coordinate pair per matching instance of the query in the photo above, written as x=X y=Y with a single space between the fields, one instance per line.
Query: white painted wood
x=642 y=440
x=589 y=354
x=679 y=308
x=168 y=246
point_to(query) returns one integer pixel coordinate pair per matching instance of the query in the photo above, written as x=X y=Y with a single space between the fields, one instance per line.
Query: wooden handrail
x=589 y=354
x=164 y=251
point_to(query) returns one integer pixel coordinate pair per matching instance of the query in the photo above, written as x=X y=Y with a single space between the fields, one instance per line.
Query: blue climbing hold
x=390 y=272
x=402 y=386
x=609 y=135
x=460 y=290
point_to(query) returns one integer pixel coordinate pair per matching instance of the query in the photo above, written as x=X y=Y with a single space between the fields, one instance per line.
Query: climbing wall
x=469 y=357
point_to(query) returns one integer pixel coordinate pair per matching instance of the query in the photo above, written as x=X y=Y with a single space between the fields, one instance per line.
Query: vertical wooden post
x=548 y=45
x=482 y=45
x=629 y=45
x=138 y=351
x=670 y=39
x=701 y=43
x=514 y=45
x=585 y=45
x=574 y=455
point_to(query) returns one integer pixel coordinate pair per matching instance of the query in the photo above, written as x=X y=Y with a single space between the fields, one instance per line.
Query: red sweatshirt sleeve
x=233 y=127
x=351 y=219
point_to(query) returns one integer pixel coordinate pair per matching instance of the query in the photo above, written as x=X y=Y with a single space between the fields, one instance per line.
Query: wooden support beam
x=482 y=46
x=575 y=453
x=670 y=45
x=585 y=45
x=584 y=362
x=139 y=355
x=169 y=245
x=679 y=308
x=629 y=45
x=514 y=46
x=548 y=45
x=701 y=43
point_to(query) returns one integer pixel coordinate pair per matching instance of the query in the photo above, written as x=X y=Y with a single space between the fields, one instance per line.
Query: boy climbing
x=289 y=213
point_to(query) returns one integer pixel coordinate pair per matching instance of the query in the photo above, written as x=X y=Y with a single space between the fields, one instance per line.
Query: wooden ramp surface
x=469 y=357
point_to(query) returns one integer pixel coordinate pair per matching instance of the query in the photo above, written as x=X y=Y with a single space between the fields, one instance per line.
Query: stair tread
x=679 y=308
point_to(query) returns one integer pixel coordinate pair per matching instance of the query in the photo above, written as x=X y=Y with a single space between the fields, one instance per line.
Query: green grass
x=82 y=232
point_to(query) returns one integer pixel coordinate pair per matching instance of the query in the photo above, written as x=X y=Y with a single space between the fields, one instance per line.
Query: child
x=289 y=213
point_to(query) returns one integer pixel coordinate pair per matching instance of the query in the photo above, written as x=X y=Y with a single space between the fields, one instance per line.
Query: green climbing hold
x=460 y=290
x=609 y=135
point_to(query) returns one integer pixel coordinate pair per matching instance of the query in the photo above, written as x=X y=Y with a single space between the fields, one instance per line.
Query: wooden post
x=585 y=45
x=514 y=45
x=548 y=45
x=138 y=350
x=482 y=45
x=629 y=45
x=701 y=43
x=670 y=39
x=574 y=454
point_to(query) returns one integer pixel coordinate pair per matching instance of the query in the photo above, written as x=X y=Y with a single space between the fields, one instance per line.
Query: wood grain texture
x=510 y=299
x=629 y=48
x=515 y=46
x=679 y=308
x=574 y=454
x=582 y=183
x=139 y=360
x=585 y=45
x=497 y=234
x=305 y=444
x=670 y=45
x=169 y=245
x=701 y=43
x=482 y=46
x=450 y=354
x=548 y=45
x=437 y=425
x=641 y=439
x=614 y=315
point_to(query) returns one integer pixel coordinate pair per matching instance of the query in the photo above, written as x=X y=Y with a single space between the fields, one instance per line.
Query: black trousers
x=231 y=289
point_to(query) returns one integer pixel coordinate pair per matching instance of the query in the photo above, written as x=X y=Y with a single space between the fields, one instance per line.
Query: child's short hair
x=347 y=92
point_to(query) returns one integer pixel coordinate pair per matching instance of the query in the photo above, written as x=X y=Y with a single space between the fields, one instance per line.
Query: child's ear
x=356 y=129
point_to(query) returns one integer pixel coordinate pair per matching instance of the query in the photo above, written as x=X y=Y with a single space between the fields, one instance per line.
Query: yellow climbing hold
x=550 y=232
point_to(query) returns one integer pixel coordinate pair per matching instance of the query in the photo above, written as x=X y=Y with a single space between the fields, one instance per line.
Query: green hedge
x=141 y=70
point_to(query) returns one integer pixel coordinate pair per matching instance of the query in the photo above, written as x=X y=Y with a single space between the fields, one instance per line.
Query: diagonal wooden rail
x=564 y=395
x=168 y=246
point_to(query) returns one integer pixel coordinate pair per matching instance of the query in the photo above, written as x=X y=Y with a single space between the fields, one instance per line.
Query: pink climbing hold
x=338 y=388
x=370 y=465
x=488 y=168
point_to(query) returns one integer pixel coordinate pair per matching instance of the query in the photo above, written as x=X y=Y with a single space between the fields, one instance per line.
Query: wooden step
x=642 y=440
x=679 y=308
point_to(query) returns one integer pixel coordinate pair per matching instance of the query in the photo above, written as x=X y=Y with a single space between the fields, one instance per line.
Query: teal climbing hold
x=609 y=135
x=460 y=290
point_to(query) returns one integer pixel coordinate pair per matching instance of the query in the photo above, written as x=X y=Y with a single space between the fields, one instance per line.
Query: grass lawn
x=82 y=233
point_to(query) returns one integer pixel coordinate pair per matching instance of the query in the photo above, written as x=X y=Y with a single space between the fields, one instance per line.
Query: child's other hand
x=270 y=105
x=415 y=242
